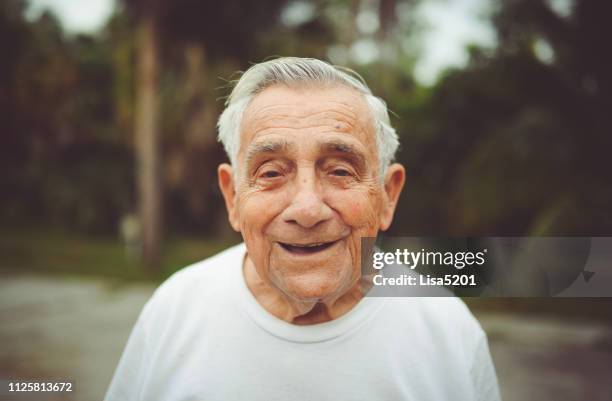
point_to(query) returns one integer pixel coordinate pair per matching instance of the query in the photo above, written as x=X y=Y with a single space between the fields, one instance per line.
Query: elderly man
x=284 y=316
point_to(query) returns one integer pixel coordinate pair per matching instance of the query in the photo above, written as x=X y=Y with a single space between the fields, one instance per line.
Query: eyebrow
x=346 y=149
x=264 y=147
x=336 y=146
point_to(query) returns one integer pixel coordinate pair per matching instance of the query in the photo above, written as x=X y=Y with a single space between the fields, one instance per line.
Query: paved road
x=70 y=329
x=75 y=329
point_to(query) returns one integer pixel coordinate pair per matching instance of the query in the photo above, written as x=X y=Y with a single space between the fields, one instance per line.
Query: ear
x=226 y=184
x=394 y=182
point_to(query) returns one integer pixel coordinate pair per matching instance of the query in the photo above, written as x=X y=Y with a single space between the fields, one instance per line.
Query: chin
x=314 y=289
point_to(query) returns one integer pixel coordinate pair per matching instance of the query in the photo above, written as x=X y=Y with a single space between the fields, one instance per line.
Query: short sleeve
x=486 y=387
x=128 y=380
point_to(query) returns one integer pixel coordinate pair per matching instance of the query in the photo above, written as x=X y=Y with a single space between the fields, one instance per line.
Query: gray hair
x=294 y=70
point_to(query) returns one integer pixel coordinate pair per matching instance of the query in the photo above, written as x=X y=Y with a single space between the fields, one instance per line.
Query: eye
x=340 y=172
x=270 y=174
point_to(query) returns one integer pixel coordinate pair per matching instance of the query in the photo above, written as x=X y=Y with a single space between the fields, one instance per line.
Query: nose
x=307 y=207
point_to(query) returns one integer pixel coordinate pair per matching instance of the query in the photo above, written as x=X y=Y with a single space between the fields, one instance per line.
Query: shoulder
x=449 y=312
x=446 y=321
x=203 y=282
x=208 y=271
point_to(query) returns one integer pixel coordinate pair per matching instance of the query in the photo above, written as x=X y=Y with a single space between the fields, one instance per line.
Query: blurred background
x=108 y=157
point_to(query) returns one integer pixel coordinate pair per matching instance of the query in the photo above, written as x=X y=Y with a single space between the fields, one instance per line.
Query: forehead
x=298 y=113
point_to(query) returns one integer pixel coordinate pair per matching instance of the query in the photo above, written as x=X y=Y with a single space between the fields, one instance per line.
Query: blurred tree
x=516 y=142
x=198 y=25
x=147 y=134
x=13 y=152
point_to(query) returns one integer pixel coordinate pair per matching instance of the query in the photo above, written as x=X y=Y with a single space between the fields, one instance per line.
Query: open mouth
x=306 y=249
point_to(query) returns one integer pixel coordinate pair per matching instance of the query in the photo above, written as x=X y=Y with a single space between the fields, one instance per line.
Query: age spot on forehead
x=344 y=126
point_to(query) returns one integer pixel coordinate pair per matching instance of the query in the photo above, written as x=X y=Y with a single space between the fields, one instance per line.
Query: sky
x=450 y=26
x=75 y=15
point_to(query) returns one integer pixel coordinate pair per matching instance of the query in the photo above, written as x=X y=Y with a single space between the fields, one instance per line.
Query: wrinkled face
x=307 y=188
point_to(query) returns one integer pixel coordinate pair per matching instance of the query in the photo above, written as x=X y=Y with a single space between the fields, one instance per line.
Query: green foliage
x=515 y=143
x=53 y=251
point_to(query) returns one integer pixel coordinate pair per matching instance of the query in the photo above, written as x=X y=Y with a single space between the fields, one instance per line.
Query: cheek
x=257 y=210
x=358 y=208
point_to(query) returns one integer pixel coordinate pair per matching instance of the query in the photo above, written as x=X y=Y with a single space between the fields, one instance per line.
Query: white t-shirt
x=203 y=336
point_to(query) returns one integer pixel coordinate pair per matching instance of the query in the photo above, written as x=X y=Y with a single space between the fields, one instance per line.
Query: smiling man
x=284 y=315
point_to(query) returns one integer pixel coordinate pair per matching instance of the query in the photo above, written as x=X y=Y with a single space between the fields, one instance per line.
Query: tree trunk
x=147 y=143
x=387 y=15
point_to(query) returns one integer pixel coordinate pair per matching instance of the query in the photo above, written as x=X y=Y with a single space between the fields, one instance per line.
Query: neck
x=296 y=311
